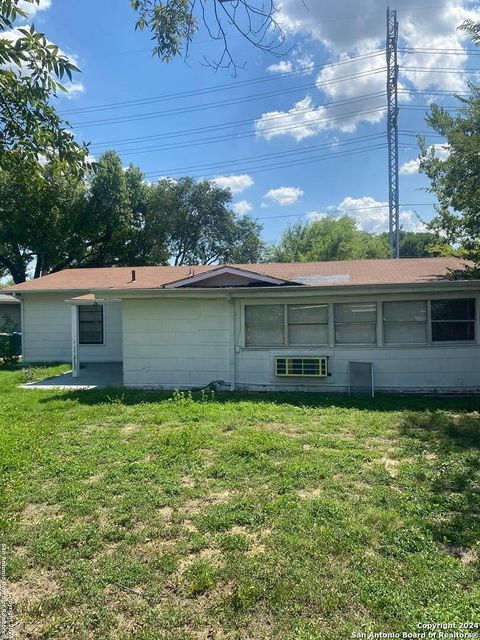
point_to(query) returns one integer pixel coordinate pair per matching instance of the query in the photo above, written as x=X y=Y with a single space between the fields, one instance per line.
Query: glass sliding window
x=405 y=322
x=264 y=325
x=90 y=324
x=356 y=323
x=307 y=324
x=453 y=320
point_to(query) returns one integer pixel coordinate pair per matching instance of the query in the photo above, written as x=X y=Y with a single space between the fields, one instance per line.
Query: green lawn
x=299 y=517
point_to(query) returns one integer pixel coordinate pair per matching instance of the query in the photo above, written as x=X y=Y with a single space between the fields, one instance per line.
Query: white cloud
x=306 y=119
x=303 y=63
x=242 y=207
x=236 y=183
x=410 y=167
x=346 y=32
x=284 y=66
x=372 y=215
x=33 y=8
x=349 y=30
x=284 y=195
x=74 y=89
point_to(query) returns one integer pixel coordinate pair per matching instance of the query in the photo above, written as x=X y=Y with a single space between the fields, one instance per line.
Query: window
x=453 y=320
x=356 y=323
x=90 y=324
x=264 y=325
x=307 y=324
x=405 y=322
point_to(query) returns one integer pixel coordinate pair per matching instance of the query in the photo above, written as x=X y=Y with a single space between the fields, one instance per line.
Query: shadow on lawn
x=451 y=446
x=382 y=402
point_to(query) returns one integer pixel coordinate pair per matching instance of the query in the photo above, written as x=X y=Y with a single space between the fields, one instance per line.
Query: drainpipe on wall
x=231 y=302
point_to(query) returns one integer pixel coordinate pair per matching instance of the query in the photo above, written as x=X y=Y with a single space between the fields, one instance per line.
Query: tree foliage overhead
x=31 y=69
x=328 y=239
x=52 y=218
x=174 y=23
x=195 y=225
x=456 y=180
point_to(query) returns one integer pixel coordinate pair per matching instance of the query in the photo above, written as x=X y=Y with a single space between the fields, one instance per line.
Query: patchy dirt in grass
x=189 y=526
x=197 y=505
x=256 y=538
x=166 y=513
x=466 y=556
x=285 y=429
x=391 y=465
x=93 y=479
x=187 y=482
x=130 y=428
x=310 y=494
x=154 y=547
x=33 y=587
x=36 y=513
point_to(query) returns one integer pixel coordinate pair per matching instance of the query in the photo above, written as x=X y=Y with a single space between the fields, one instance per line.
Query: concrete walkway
x=93 y=375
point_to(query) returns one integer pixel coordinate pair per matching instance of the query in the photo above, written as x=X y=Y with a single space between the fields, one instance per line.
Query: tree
x=173 y=24
x=456 y=180
x=41 y=212
x=56 y=219
x=419 y=244
x=190 y=223
x=109 y=215
x=327 y=239
x=30 y=72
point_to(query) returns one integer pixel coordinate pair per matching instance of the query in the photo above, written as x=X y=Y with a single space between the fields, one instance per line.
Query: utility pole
x=392 y=133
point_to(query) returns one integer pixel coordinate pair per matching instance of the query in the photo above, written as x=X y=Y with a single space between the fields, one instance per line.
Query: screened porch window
x=405 y=322
x=356 y=323
x=453 y=320
x=90 y=324
x=264 y=325
x=307 y=324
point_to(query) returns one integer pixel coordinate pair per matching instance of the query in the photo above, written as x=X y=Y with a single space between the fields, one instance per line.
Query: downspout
x=233 y=367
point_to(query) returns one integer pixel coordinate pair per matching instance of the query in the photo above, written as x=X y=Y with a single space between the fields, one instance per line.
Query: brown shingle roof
x=348 y=272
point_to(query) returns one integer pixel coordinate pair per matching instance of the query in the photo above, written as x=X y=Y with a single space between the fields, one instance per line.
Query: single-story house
x=262 y=326
x=10 y=313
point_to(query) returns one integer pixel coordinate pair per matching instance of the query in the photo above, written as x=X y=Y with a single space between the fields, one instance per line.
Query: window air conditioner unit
x=301 y=366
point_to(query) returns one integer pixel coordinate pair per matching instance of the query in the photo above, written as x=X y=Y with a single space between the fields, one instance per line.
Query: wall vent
x=301 y=366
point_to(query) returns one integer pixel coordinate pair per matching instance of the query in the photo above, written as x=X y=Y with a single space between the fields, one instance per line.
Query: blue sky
x=285 y=143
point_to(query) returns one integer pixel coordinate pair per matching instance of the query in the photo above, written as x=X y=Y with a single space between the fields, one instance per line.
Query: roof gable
x=226 y=276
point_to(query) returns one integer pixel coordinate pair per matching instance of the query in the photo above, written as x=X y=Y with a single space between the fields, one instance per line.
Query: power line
x=250 y=134
x=336 y=210
x=221 y=87
x=216 y=104
x=259 y=158
x=446 y=51
x=253 y=170
x=226 y=125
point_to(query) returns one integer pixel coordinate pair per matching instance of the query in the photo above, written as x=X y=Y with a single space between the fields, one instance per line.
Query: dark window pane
x=462 y=309
x=90 y=325
x=452 y=331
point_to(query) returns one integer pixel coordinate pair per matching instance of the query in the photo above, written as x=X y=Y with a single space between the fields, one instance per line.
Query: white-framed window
x=405 y=322
x=356 y=323
x=283 y=325
x=264 y=325
x=453 y=320
x=307 y=324
x=90 y=324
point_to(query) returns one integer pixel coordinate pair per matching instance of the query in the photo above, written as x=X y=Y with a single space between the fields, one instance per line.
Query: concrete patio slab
x=94 y=375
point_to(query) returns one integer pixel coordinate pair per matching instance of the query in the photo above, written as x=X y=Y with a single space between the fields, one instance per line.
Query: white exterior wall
x=47 y=330
x=175 y=344
x=427 y=368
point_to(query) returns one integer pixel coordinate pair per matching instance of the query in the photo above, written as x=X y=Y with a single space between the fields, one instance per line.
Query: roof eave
x=344 y=289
